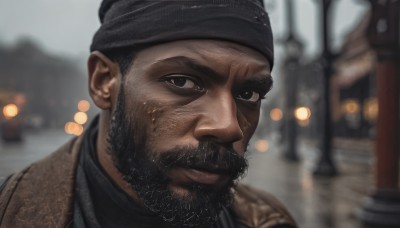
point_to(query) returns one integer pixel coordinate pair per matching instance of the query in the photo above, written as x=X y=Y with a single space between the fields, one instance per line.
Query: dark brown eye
x=183 y=83
x=249 y=95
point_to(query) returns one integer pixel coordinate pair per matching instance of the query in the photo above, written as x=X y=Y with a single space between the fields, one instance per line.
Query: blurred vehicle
x=11 y=130
x=10 y=123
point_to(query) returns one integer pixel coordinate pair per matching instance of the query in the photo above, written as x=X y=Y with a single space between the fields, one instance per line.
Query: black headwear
x=140 y=23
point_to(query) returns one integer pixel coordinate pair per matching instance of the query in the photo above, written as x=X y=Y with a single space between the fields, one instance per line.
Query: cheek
x=248 y=122
x=169 y=124
x=148 y=118
x=136 y=112
x=173 y=124
x=153 y=112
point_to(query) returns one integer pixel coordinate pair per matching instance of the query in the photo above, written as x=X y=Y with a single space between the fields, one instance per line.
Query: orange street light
x=83 y=105
x=276 y=114
x=262 y=146
x=10 y=111
x=80 y=118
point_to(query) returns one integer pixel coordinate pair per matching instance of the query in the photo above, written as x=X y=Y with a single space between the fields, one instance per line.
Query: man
x=179 y=84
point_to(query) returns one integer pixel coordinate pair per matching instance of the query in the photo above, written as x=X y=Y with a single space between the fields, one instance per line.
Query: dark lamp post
x=293 y=52
x=326 y=165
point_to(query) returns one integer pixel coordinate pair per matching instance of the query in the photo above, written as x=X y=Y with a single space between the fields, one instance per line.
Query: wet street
x=36 y=145
x=315 y=202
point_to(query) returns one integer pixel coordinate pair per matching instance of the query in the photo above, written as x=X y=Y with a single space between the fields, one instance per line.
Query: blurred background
x=315 y=148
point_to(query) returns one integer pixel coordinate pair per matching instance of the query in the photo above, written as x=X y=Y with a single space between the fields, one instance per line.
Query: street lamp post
x=326 y=165
x=293 y=51
x=382 y=208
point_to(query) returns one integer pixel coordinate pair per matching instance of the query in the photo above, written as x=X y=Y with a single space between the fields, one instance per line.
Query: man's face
x=186 y=111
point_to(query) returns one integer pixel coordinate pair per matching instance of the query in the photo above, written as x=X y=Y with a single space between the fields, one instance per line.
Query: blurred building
x=353 y=93
x=353 y=86
x=46 y=88
x=354 y=102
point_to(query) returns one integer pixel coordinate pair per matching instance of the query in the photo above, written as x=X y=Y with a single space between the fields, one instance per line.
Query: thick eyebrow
x=194 y=65
x=264 y=83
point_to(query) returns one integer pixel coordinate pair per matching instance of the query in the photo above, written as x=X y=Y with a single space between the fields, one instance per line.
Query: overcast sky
x=67 y=26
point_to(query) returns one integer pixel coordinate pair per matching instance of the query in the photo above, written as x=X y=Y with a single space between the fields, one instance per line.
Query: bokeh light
x=262 y=146
x=80 y=118
x=83 y=106
x=371 y=109
x=73 y=128
x=302 y=113
x=351 y=106
x=20 y=99
x=276 y=114
x=10 y=111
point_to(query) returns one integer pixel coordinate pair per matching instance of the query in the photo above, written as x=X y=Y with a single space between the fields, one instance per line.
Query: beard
x=144 y=169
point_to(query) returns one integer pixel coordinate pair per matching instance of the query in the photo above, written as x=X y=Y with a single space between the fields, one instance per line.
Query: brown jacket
x=42 y=195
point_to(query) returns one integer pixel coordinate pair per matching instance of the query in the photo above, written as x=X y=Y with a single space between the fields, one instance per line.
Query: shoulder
x=257 y=208
x=3 y=181
x=43 y=192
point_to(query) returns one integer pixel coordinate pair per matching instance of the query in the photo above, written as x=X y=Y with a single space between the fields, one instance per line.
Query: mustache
x=208 y=156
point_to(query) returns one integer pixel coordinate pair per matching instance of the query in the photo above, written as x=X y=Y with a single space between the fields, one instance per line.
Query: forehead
x=210 y=52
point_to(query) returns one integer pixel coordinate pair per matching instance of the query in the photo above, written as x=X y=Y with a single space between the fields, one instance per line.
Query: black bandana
x=141 y=23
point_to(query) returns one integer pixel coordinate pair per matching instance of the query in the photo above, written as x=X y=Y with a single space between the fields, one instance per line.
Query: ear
x=104 y=76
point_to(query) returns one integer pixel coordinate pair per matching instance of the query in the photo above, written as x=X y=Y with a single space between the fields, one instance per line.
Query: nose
x=219 y=121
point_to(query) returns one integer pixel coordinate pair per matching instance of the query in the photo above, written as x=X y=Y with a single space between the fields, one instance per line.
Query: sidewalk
x=315 y=202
